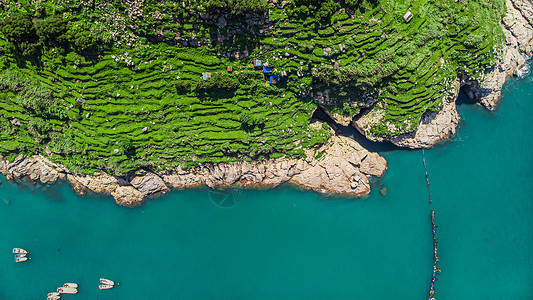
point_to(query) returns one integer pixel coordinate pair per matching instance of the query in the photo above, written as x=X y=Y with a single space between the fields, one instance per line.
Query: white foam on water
x=526 y=69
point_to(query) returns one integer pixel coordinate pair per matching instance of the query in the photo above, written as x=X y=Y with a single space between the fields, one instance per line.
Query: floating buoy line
x=427 y=174
x=436 y=269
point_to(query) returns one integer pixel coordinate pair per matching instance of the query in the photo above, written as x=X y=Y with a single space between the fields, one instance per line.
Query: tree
x=50 y=29
x=18 y=28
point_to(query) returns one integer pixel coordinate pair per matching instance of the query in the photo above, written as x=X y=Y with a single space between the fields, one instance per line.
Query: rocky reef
x=341 y=166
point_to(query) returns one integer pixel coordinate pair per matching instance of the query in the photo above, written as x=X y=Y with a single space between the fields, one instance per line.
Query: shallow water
x=291 y=244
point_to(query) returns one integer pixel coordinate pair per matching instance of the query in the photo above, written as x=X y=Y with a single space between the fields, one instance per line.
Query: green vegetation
x=119 y=85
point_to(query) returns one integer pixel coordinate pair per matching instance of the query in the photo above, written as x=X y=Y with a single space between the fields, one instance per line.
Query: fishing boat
x=67 y=290
x=20 y=251
x=21 y=259
x=53 y=296
x=20 y=255
x=70 y=285
x=106 y=281
x=105 y=286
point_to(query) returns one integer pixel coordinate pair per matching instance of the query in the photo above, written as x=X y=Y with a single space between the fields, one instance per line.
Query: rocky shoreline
x=434 y=127
x=340 y=167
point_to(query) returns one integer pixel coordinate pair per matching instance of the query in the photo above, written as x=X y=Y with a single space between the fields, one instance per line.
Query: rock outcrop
x=433 y=126
x=339 y=167
x=127 y=196
x=149 y=184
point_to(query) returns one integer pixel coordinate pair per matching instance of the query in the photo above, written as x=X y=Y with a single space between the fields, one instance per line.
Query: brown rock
x=149 y=184
x=127 y=196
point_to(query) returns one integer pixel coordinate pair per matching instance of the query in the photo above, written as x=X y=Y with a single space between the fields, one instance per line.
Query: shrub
x=38 y=129
x=249 y=120
x=126 y=145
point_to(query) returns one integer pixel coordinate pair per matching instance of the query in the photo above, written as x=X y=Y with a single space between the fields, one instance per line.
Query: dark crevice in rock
x=323 y=115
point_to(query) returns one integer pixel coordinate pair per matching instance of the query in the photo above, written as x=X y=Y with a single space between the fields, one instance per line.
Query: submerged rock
x=383 y=191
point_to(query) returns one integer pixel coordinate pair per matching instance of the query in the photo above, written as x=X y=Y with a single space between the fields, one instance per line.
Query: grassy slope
x=386 y=63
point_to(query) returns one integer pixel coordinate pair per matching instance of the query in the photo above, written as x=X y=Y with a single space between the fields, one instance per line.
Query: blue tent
x=267 y=70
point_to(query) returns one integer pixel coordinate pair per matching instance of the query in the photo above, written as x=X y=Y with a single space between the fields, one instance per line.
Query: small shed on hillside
x=267 y=70
x=408 y=16
x=206 y=75
x=274 y=79
x=283 y=73
x=258 y=63
x=229 y=68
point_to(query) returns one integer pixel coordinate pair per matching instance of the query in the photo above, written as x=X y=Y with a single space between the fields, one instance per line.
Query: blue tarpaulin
x=274 y=79
x=266 y=70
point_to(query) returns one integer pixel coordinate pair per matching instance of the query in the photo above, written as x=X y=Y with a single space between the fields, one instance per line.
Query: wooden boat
x=71 y=285
x=105 y=286
x=106 y=281
x=67 y=290
x=20 y=251
x=21 y=259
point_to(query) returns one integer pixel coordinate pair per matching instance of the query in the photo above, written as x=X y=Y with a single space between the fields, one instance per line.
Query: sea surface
x=291 y=244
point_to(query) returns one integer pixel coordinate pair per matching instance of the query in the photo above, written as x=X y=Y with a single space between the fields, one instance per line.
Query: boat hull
x=19 y=251
x=67 y=290
x=106 y=281
x=21 y=259
x=105 y=287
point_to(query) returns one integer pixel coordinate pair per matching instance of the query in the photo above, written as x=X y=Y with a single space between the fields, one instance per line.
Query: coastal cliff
x=517 y=26
x=341 y=166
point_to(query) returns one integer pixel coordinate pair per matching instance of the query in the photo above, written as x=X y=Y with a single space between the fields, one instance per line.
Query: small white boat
x=53 y=296
x=20 y=255
x=20 y=251
x=106 y=281
x=21 y=259
x=71 y=285
x=67 y=290
x=105 y=286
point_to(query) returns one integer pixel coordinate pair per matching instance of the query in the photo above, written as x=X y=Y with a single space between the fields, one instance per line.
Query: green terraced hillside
x=123 y=85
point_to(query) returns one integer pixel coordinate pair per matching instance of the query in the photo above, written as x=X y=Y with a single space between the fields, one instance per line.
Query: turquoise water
x=291 y=244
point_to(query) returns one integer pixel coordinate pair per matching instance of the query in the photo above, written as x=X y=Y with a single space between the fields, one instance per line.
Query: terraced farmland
x=107 y=103
x=138 y=100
